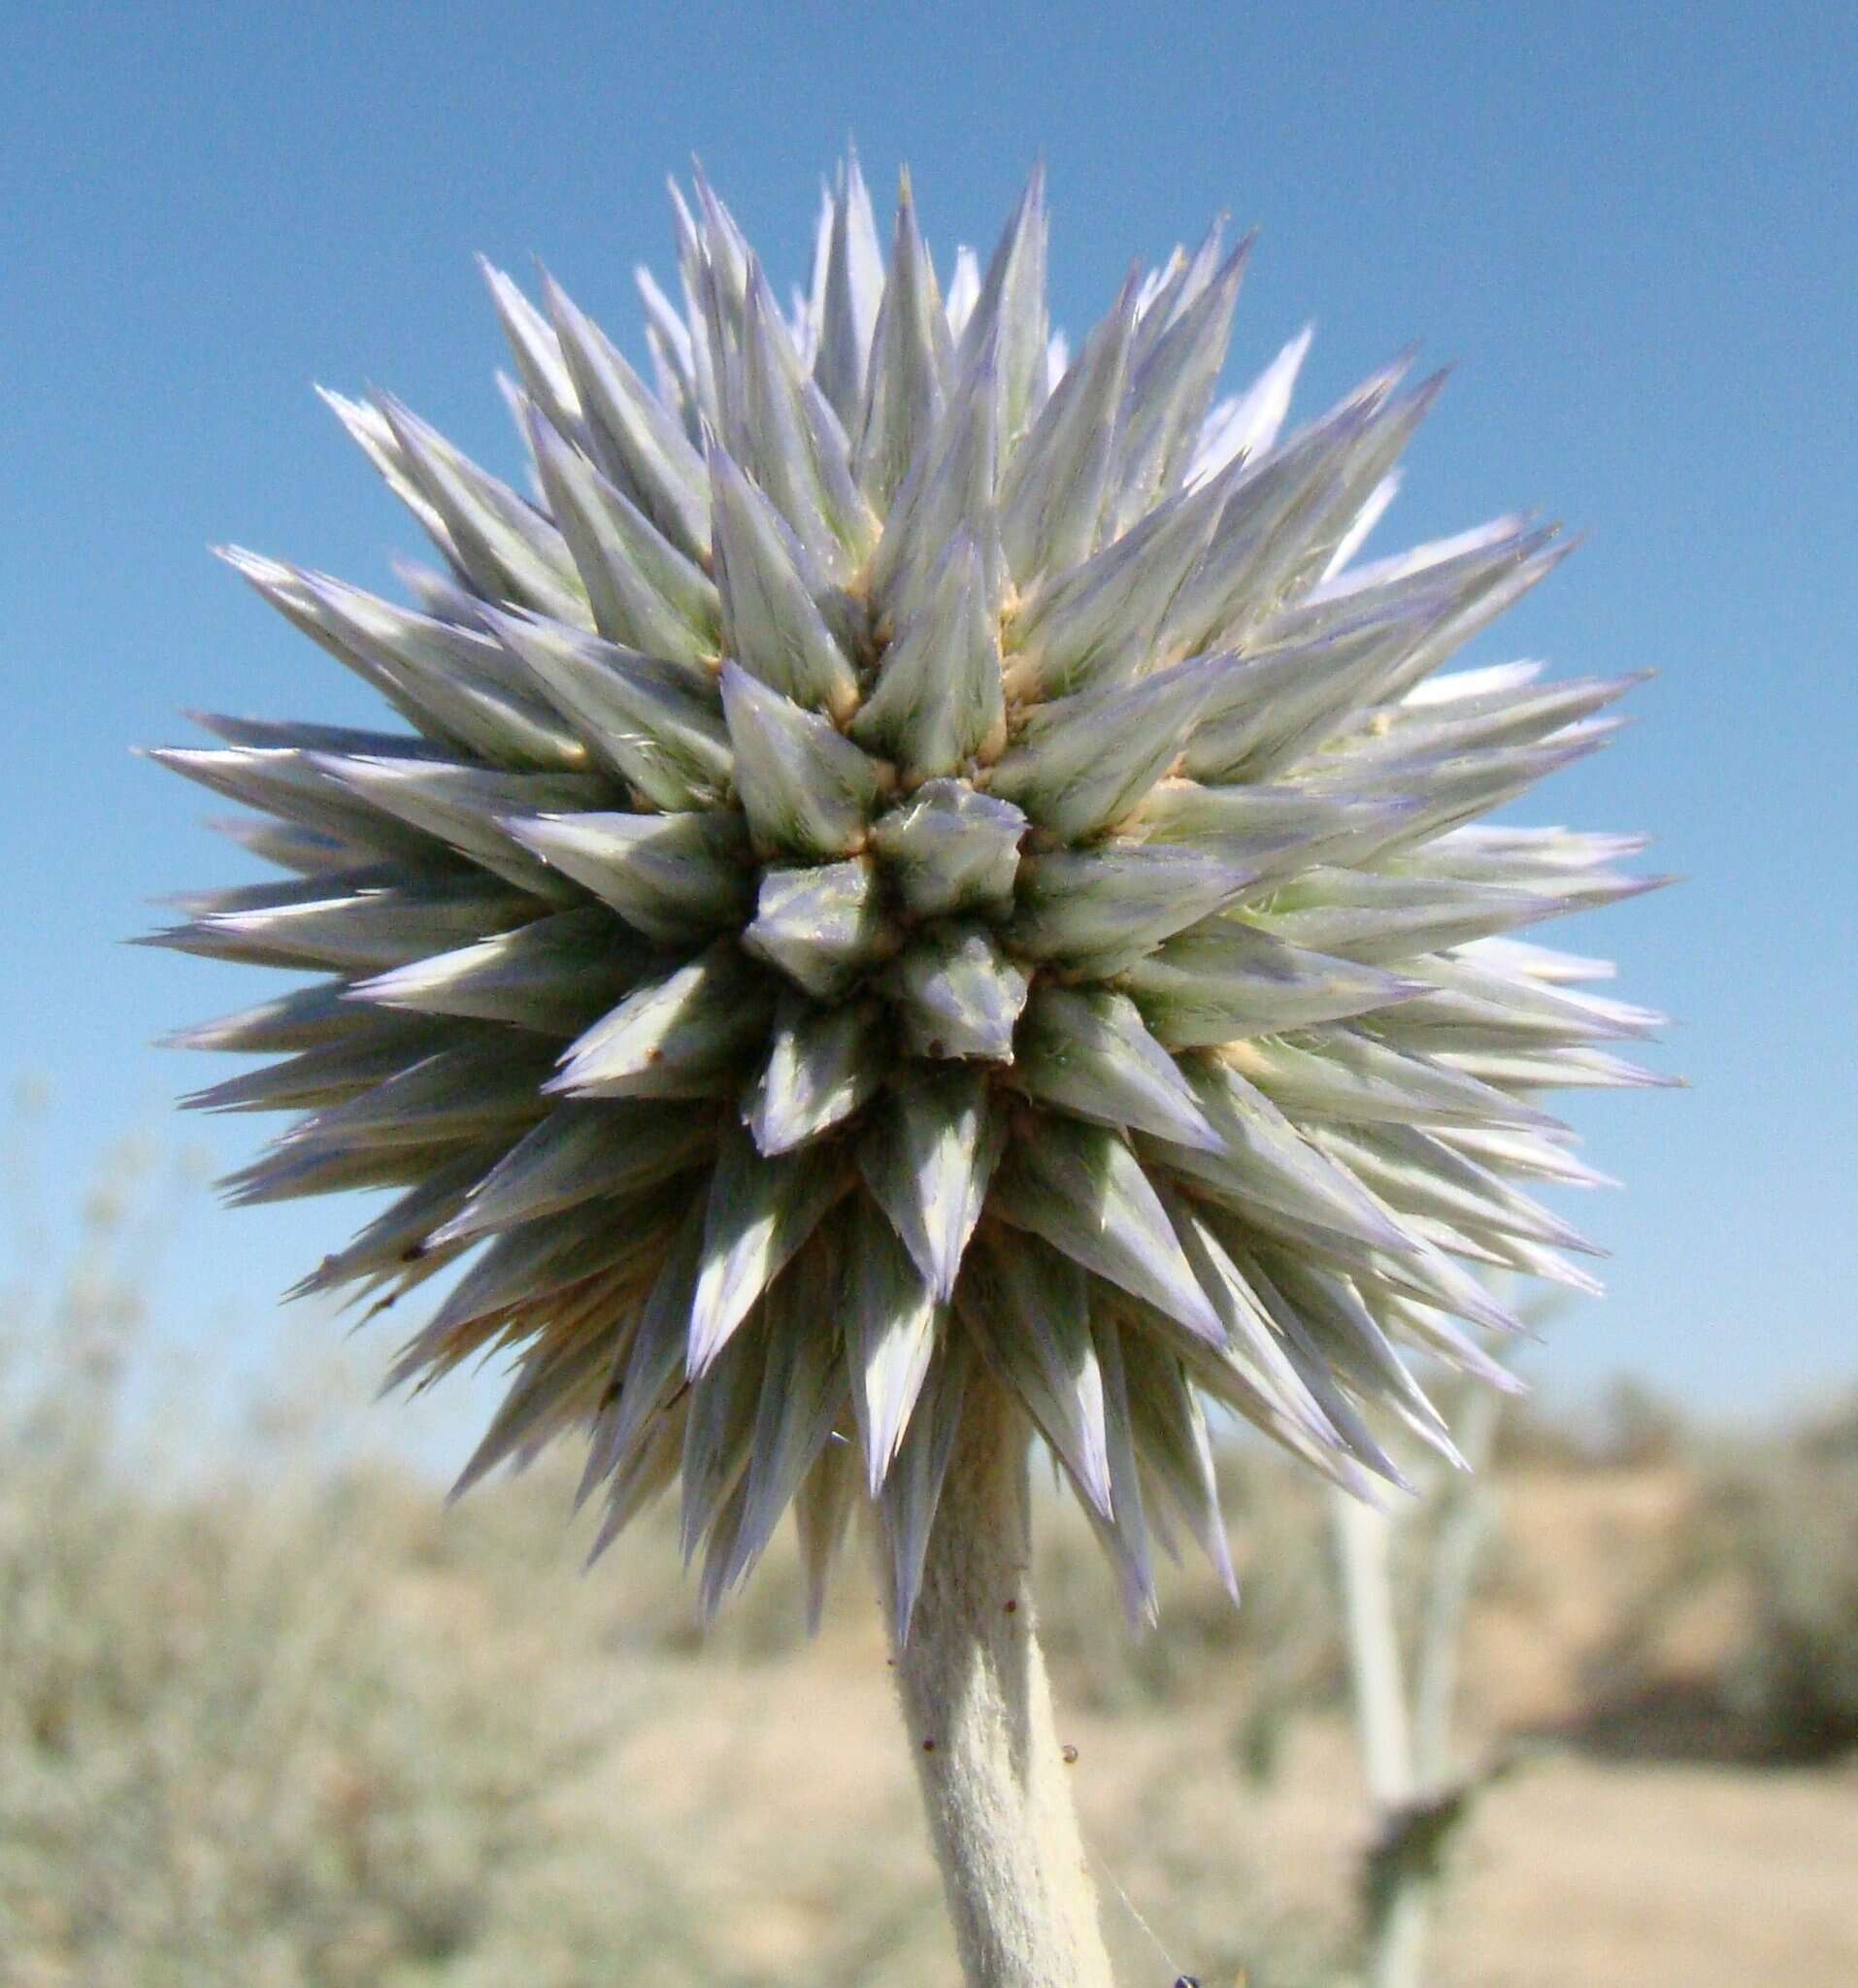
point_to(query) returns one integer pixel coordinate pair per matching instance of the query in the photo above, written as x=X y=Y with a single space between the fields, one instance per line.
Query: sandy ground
x=780 y=1787
x=1573 y=1872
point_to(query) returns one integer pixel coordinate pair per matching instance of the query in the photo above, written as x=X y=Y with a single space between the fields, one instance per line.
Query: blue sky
x=1634 y=229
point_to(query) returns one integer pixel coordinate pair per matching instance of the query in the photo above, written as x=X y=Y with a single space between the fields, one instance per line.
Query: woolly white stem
x=978 y=1709
x=1399 y=1949
x=1364 y=1538
x=1465 y=1522
x=1399 y=1896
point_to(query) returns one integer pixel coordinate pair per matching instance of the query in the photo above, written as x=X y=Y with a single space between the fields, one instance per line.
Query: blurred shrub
x=1628 y=1426
x=1274 y=1658
x=228 y=1750
x=1783 y=1523
x=1767 y=1552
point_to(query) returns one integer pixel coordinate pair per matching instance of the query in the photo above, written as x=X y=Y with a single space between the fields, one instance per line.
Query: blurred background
x=269 y=1713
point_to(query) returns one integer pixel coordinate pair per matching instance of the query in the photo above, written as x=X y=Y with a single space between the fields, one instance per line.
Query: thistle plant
x=924 y=895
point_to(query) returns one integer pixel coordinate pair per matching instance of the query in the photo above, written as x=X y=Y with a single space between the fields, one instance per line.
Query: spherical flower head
x=915 y=857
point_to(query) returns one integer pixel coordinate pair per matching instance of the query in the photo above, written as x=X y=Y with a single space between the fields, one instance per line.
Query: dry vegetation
x=284 y=1720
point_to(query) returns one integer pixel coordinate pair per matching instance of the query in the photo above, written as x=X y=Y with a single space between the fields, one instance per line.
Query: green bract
x=911 y=853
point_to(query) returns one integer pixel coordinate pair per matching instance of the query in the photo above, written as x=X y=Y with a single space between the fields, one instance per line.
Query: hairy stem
x=977 y=1708
x=1364 y=1541
x=1398 y=1886
x=1465 y=1522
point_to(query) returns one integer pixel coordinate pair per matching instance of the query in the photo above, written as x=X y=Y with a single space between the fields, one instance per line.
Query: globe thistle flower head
x=913 y=855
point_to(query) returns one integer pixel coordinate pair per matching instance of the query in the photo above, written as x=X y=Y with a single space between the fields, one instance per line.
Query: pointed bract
x=1083 y=1190
x=670 y=877
x=938 y=701
x=949 y=849
x=656 y=724
x=1051 y=495
x=583 y=1153
x=914 y=1486
x=1028 y=1305
x=637 y=441
x=823 y=1064
x=957 y=993
x=893 y=1321
x=1085 y=1051
x=1224 y=980
x=1087 y=762
x=771 y=621
x=911 y=361
x=1107 y=907
x=642 y=590
x=679 y=1035
x=554 y=975
x=762 y=1208
x=807 y=790
x=854 y=285
x=950 y=489
x=822 y=926
x=928 y=1156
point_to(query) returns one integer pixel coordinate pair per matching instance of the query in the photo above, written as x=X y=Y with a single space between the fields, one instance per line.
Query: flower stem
x=977 y=1708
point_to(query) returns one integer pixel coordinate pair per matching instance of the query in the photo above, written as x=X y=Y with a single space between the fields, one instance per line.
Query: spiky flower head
x=911 y=857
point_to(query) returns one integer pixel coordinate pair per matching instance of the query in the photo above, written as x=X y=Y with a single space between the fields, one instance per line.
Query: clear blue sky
x=1635 y=228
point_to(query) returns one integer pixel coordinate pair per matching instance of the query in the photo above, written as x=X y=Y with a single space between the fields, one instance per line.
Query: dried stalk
x=1419 y=1792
